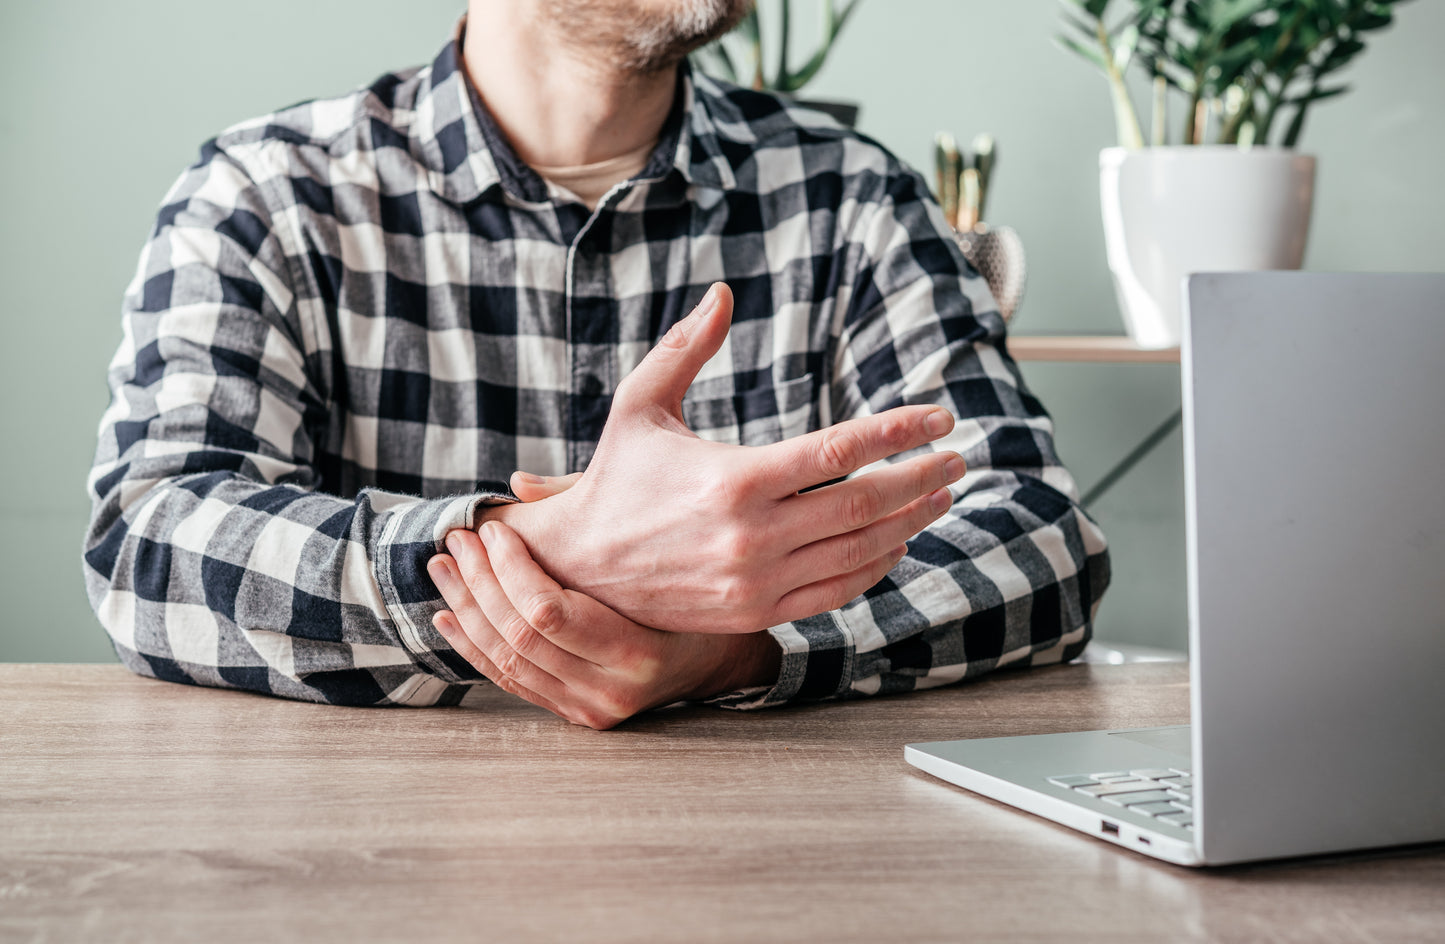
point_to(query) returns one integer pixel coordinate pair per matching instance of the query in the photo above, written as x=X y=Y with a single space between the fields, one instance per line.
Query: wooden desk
x=133 y=810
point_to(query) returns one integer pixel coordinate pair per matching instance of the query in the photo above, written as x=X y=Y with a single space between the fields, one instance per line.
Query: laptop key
x=1130 y=799
x=1109 y=789
x=1152 y=773
x=1075 y=780
x=1110 y=775
x=1185 y=819
x=1154 y=809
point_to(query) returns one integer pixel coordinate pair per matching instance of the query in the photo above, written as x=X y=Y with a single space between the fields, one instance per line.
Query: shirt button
x=591 y=386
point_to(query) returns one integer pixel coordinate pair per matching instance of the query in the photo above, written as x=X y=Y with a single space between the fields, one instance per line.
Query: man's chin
x=646 y=36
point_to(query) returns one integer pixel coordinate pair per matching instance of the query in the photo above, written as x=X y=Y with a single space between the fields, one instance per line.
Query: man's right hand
x=683 y=534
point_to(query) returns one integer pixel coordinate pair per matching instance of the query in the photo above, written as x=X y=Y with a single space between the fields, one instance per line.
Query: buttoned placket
x=592 y=330
x=587 y=285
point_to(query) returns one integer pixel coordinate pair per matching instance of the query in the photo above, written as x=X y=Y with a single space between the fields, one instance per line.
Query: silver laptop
x=1314 y=447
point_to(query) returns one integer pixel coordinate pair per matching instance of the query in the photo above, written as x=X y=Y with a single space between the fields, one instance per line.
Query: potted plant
x=784 y=80
x=1230 y=192
x=962 y=181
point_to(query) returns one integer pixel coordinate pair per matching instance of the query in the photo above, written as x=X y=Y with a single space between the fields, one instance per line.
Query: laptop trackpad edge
x=1174 y=739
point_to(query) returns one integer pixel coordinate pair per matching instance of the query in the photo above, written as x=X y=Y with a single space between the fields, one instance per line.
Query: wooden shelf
x=1087 y=348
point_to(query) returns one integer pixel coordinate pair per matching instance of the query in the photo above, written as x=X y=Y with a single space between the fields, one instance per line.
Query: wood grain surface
x=133 y=810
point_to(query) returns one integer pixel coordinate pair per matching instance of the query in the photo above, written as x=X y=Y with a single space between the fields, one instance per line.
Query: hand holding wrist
x=568 y=653
x=686 y=535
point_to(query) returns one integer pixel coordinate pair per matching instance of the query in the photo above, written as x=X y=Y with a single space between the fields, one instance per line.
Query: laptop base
x=1016 y=771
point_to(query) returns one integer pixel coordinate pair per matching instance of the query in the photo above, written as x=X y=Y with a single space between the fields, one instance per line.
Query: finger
x=670 y=368
x=840 y=450
x=513 y=622
x=478 y=639
x=846 y=553
x=834 y=592
x=858 y=502
x=469 y=638
x=464 y=579
x=451 y=630
x=573 y=622
x=530 y=488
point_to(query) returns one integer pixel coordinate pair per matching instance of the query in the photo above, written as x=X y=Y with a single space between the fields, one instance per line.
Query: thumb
x=670 y=368
x=530 y=488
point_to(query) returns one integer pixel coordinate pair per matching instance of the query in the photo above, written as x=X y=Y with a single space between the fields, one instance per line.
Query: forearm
x=1013 y=574
x=226 y=581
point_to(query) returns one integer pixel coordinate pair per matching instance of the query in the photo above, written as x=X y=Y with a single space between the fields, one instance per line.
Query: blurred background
x=108 y=101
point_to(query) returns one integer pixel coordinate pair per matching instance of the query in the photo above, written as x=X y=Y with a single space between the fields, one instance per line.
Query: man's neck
x=558 y=104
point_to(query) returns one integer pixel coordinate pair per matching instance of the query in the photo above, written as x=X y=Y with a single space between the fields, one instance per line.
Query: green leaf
x=1093 y=55
x=1088 y=30
x=1124 y=49
x=749 y=28
x=797 y=80
x=1319 y=95
x=783 y=82
x=842 y=18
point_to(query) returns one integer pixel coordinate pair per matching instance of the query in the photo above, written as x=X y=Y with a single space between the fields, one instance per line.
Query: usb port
x=1108 y=828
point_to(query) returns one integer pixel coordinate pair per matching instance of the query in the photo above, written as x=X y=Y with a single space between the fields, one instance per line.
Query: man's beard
x=639 y=40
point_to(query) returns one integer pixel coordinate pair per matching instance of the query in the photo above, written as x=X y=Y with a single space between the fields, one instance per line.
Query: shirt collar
x=468 y=157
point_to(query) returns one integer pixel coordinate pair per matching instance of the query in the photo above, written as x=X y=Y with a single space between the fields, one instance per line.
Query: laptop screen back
x=1315 y=474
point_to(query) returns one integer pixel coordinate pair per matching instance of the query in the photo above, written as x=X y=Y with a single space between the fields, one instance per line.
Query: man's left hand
x=564 y=651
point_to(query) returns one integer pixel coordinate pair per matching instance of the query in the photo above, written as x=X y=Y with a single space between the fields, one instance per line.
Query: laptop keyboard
x=1166 y=794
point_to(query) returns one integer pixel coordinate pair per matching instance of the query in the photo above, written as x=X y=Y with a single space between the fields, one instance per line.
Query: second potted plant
x=1221 y=196
x=784 y=80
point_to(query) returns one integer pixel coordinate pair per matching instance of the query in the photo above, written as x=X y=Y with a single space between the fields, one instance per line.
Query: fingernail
x=441 y=575
x=528 y=477
x=940 y=500
x=955 y=468
x=938 y=422
x=453 y=541
x=708 y=303
x=487 y=533
x=440 y=624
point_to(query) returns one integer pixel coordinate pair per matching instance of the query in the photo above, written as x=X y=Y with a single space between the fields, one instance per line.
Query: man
x=705 y=319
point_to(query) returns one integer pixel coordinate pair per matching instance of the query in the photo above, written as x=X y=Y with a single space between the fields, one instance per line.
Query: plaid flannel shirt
x=354 y=318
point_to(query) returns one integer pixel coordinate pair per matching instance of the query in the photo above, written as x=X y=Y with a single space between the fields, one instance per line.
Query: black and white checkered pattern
x=356 y=317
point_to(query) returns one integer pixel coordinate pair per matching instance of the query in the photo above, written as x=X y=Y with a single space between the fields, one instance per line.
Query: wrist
x=749 y=660
x=533 y=522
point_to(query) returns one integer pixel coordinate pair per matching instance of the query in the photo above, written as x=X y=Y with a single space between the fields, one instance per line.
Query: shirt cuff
x=817 y=663
x=412 y=532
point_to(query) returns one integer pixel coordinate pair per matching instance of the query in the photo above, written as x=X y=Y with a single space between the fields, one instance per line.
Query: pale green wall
x=105 y=102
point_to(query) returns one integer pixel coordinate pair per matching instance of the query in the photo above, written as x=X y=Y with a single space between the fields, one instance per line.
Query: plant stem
x=1124 y=117
x=1191 y=115
x=1160 y=117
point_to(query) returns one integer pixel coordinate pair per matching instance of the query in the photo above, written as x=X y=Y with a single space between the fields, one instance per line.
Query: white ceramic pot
x=1170 y=211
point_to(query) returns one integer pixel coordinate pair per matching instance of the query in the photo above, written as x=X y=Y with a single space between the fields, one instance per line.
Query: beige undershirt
x=590 y=182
